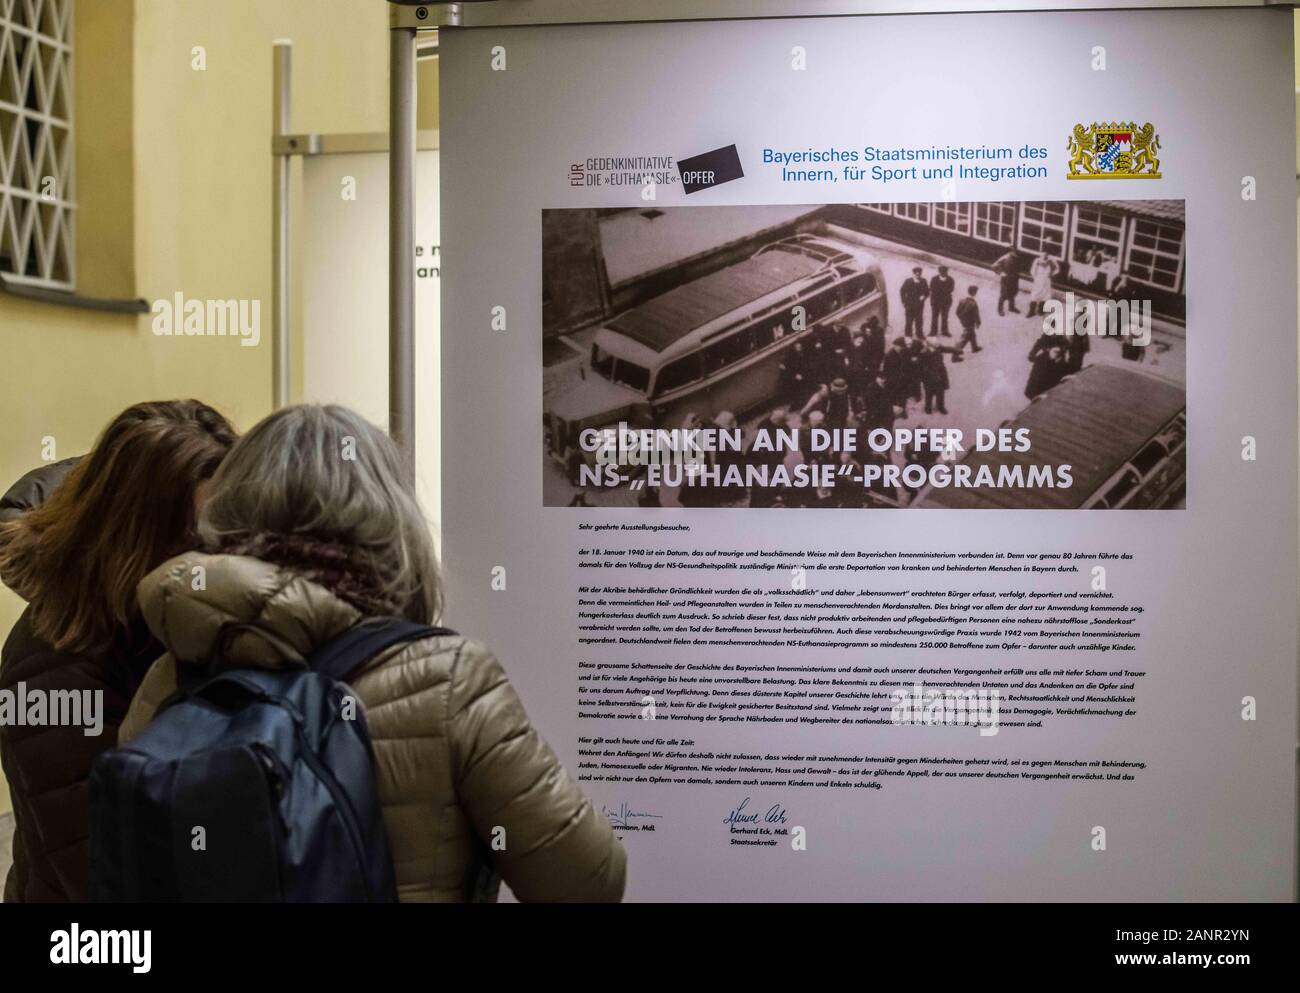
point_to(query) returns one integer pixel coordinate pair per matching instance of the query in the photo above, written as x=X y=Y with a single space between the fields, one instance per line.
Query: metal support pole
x=401 y=239
x=281 y=332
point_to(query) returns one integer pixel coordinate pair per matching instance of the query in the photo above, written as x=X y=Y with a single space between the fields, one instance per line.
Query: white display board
x=720 y=671
x=345 y=294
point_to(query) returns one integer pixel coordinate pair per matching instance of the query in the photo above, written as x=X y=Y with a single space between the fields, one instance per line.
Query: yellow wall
x=199 y=212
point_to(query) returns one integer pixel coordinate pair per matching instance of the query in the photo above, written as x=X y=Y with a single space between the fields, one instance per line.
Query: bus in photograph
x=1122 y=430
x=715 y=343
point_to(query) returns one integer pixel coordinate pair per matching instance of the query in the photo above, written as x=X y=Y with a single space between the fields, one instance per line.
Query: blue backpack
x=251 y=785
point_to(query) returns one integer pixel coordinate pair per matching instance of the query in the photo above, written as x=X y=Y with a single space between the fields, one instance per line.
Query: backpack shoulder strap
x=342 y=655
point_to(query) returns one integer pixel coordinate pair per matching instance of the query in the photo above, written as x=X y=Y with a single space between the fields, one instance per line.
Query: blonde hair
x=327 y=473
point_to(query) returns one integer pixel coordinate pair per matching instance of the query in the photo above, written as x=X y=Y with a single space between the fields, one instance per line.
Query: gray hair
x=327 y=472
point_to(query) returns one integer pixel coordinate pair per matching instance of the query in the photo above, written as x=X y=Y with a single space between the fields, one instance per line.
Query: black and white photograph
x=1063 y=321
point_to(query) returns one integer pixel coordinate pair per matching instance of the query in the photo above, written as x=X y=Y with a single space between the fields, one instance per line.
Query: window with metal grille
x=1155 y=254
x=995 y=221
x=36 y=159
x=879 y=208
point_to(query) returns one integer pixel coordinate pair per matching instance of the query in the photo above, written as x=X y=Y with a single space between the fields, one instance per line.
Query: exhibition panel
x=1026 y=263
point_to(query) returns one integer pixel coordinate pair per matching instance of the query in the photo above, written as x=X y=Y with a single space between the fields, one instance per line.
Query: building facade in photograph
x=1095 y=242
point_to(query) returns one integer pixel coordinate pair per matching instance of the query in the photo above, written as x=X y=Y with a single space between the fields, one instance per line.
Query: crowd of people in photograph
x=840 y=377
x=856 y=378
x=845 y=377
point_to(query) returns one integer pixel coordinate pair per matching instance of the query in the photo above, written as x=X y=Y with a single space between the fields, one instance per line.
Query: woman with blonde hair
x=312 y=528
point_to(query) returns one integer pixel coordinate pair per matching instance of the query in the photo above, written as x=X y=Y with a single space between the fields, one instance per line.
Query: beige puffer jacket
x=456 y=754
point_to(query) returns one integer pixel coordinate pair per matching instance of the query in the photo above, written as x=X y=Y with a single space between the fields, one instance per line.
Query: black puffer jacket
x=47 y=766
x=33 y=488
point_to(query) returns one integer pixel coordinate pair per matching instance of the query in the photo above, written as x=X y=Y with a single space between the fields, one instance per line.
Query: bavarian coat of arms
x=1114 y=151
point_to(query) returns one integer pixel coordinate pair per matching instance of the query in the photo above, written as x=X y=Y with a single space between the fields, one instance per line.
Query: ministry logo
x=1114 y=151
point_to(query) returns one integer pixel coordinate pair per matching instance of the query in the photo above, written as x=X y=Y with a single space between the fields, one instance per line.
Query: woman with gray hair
x=311 y=528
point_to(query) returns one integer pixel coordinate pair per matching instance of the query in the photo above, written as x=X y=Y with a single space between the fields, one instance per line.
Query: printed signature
x=623 y=815
x=741 y=814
